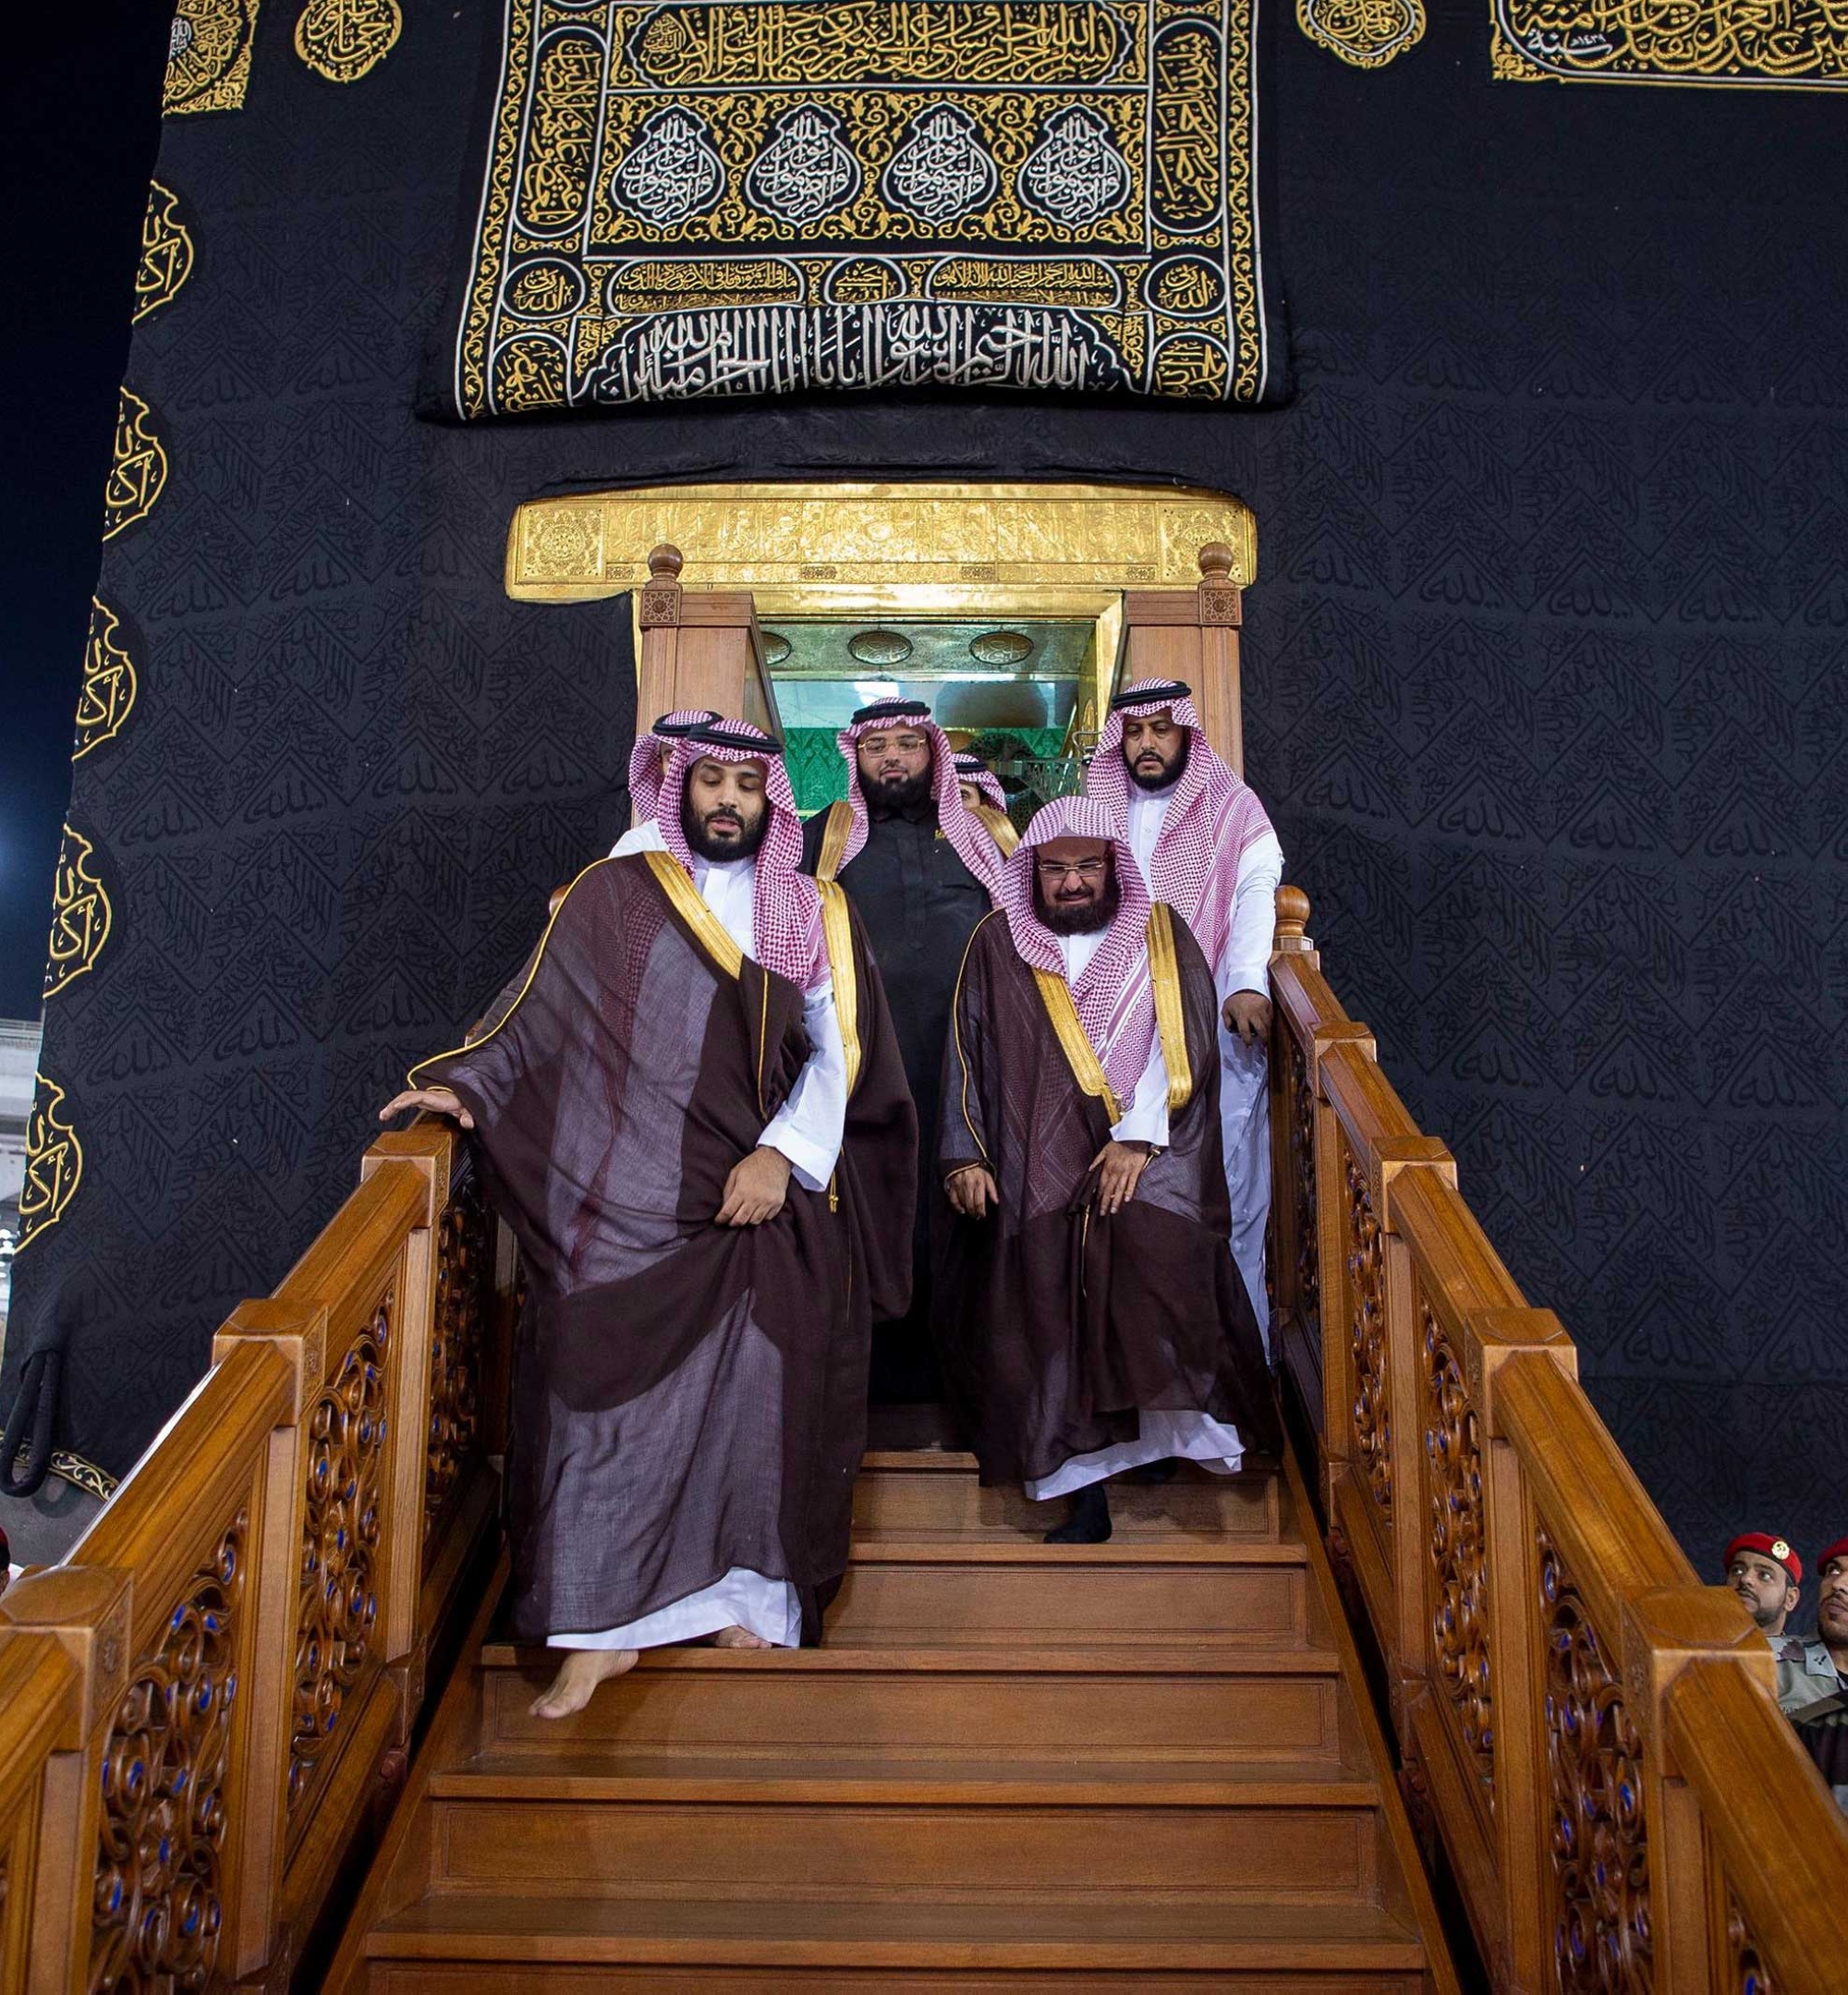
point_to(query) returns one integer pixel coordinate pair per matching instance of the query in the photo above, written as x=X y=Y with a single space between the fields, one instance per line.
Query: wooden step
x=1229 y=1706
x=1216 y=1593
x=1023 y=1930
x=566 y=1848
x=924 y=1781
x=923 y=1495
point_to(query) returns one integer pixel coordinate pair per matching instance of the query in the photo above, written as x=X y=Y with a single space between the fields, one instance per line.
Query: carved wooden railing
x=1590 y=1733
x=205 y=1710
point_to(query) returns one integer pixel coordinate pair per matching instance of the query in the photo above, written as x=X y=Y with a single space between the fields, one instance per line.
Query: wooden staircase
x=1147 y=1763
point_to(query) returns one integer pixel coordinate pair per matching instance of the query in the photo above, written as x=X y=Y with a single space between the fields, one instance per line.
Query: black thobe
x=920 y=905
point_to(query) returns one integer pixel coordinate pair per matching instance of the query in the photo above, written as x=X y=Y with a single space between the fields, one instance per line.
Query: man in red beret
x=1765 y=1573
x=1813 y=1675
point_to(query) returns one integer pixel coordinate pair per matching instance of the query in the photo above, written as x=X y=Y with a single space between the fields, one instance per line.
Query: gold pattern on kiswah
x=917 y=536
x=108 y=690
x=1366 y=33
x=166 y=252
x=138 y=468
x=209 y=56
x=764 y=196
x=82 y=915
x=343 y=40
x=1717 y=44
x=54 y=1164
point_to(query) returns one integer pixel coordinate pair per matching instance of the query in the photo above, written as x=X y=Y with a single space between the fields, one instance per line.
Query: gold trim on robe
x=999 y=825
x=687 y=902
x=1164 y=974
x=835 y=838
x=838 y=934
x=1055 y=995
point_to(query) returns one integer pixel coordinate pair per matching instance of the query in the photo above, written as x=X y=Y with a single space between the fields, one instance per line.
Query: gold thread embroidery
x=762 y=1030
x=1366 y=34
x=166 y=252
x=838 y=934
x=108 y=690
x=1171 y=1024
x=999 y=827
x=684 y=899
x=343 y=40
x=835 y=836
x=208 y=55
x=879 y=193
x=139 y=469
x=470 y=1045
x=1055 y=994
x=82 y=915
x=54 y=1164
x=1732 y=44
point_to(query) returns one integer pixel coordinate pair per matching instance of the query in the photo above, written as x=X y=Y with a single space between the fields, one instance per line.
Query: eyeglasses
x=1088 y=870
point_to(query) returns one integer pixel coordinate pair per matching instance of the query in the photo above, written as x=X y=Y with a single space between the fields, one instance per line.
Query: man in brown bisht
x=1091 y=1319
x=691 y=1110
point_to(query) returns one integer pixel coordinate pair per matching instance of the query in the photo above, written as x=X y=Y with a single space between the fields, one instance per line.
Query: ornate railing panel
x=245 y=1626
x=1590 y=1732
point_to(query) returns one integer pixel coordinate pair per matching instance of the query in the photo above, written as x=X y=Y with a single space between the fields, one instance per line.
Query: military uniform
x=1813 y=1695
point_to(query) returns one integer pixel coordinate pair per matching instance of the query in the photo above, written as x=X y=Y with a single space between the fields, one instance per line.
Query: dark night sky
x=82 y=115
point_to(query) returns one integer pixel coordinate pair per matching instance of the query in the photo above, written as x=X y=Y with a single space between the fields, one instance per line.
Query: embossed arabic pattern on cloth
x=1740 y=45
x=751 y=197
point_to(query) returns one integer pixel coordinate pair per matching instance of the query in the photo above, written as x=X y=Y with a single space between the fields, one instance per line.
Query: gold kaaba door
x=1012 y=609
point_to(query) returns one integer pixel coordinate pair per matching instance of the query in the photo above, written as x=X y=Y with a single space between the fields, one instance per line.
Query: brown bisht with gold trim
x=688 y=1398
x=1059 y=1328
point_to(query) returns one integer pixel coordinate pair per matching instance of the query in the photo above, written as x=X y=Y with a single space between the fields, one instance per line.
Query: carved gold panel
x=1059 y=549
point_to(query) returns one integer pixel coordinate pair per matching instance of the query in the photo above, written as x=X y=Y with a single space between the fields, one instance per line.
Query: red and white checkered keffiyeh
x=1115 y=998
x=785 y=903
x=965 y=832
x=645 y=771
x=1212 y=817
x=972 y=769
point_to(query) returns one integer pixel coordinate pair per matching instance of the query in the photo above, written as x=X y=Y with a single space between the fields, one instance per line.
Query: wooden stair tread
x=1003 y=1546
x=920 y=1650
x=1011 y=1928
x=575 y=1774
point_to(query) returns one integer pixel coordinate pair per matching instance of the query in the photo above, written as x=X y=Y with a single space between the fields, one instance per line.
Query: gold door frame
x=919 y=550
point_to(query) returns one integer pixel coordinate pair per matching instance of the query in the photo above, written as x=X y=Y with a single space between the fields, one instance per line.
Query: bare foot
x=578 y=1676
x=738 y=1638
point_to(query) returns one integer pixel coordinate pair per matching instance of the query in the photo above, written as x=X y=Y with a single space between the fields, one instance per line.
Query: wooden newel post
x=700 y=647
x=1192 y=634
x=1292 y=919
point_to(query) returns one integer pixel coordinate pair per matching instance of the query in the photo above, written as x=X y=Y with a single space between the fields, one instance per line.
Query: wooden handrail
x=230 y=1662
x=1568 y=1701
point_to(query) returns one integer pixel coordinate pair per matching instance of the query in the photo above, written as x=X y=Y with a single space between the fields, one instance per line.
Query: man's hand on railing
x=438 y=1101
x=1247 y=1017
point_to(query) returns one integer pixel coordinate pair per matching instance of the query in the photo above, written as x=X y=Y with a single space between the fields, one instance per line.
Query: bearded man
x=1089 y=1317
x=690 y=1109
x=647 y=764
x=921 y=870
x=1206 y=848
x=1767 y=1575
x=1813 y=1675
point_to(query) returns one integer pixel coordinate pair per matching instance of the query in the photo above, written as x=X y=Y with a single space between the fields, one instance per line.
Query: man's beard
x=898 y=793
x=1080 y=917
x=701 y=843
x=1170 y=774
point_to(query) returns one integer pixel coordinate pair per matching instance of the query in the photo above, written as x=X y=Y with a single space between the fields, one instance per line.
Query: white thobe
x=806 y=1129
x=1160 y=1434
x=1243 y=1071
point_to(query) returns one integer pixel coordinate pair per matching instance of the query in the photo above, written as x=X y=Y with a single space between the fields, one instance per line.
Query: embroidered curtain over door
x=750 y=197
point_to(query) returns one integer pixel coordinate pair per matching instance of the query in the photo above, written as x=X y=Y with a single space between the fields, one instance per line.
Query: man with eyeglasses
x=1090 y=1319
x=1206 y=848
x=921 y=870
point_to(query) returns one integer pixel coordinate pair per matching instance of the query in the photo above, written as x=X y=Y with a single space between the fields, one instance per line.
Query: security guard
x=1812 y=1687
x=1765 y=1574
